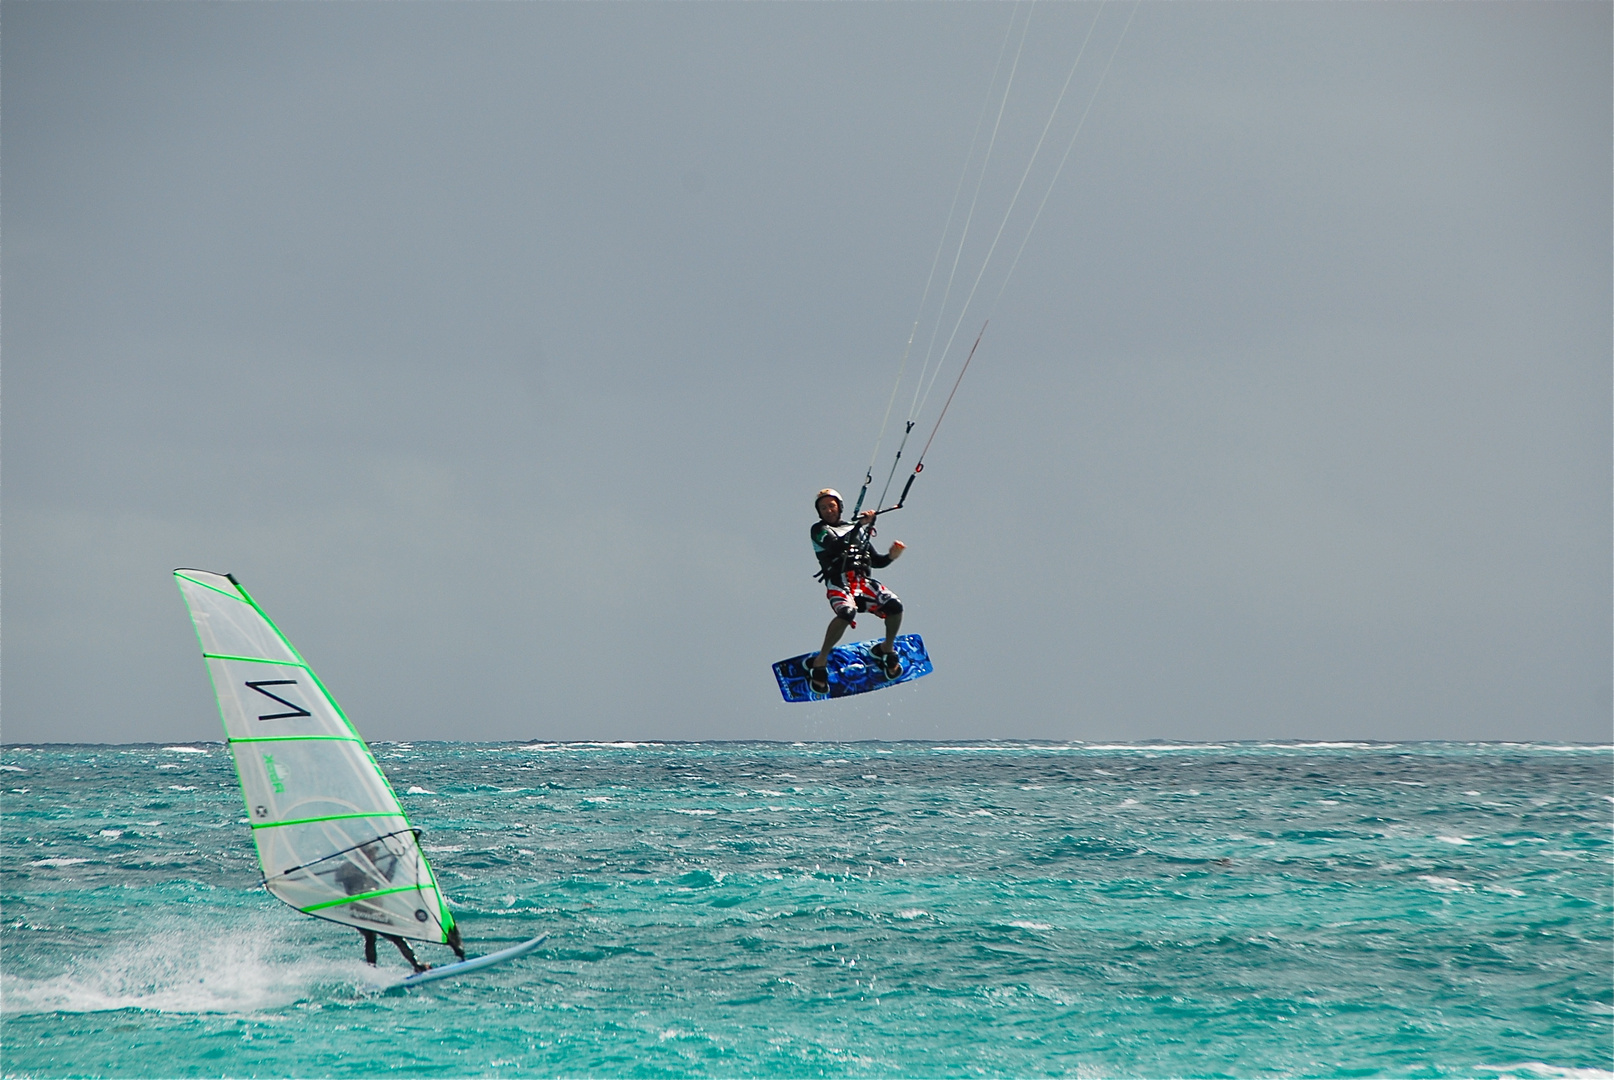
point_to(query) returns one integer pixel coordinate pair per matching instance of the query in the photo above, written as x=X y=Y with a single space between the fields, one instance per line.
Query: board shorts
x=857 y=593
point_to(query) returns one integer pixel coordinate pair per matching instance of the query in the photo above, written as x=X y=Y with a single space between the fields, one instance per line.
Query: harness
x=855 y=551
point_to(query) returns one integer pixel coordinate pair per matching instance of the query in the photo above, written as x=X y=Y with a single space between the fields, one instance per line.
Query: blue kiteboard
x=853 y=669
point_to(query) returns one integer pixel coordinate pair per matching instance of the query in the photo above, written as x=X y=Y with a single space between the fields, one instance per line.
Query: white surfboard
x=475 y=963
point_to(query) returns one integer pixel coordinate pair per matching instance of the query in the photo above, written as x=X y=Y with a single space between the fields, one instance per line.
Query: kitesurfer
x=845 y=556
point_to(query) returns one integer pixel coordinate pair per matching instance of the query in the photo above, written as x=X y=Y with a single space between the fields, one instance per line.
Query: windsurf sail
x=332 y=838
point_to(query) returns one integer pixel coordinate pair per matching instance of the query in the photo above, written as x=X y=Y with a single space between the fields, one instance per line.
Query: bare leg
x=369 y=946
x=893 y=622
x=837 y=627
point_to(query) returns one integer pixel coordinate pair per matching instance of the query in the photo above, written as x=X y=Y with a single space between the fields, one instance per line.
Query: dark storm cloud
x=499 y=350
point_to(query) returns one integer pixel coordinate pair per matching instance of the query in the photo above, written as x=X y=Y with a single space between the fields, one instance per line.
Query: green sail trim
x=257 y=660
x=213 y=588
x=299 y=738
x=361 y=896
x=331 y=817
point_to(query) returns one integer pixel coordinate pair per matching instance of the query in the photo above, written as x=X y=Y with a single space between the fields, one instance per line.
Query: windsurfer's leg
x=454 y=942
x=369 y=946
x=408 y=953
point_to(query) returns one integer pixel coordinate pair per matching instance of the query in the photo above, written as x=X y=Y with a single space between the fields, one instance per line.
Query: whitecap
x=1027 y=925
x=418 y=790
x=1445 y=884
x=58 y=862
x=184 y=750
x=696 y=813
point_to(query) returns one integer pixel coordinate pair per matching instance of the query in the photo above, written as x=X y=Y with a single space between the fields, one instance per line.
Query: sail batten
x=256 y=660
x=328 y=817
x=317 y=800
x=298 y=738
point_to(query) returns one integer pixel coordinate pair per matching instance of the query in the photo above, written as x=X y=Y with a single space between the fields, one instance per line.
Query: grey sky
x=500 y=348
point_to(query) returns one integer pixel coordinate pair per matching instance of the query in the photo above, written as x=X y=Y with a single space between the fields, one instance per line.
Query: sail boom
x=355 y=899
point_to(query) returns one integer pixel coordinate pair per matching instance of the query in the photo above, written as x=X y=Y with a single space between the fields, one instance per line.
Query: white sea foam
x=418 y=790
x=58 y=862
x=184 y=750
x=1445 y=884
x=1026 y=924
x=695 y=813
x=232 y=969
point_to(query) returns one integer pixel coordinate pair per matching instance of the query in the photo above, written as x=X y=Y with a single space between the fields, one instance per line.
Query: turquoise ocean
x=850 y=909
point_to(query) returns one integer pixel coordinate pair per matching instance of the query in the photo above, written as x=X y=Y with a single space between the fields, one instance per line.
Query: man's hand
x=897 y=548
x=866 y=516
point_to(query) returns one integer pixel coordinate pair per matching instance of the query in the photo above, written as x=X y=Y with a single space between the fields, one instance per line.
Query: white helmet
x=832 y=493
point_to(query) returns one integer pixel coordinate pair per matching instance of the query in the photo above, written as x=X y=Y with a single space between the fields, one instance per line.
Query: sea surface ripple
x=855 y=909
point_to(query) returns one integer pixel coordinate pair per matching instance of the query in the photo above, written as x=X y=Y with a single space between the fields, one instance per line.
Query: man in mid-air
x=845 y=556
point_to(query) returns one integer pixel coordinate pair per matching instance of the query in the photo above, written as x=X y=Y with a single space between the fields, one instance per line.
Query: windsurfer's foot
x=890 y=662
x=818 y=678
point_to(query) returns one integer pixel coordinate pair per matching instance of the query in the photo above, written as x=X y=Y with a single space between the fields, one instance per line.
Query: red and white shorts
x=858 y=594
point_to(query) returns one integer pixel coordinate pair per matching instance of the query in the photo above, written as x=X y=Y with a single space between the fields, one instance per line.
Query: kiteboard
x=853 y=669
x=475 y=963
